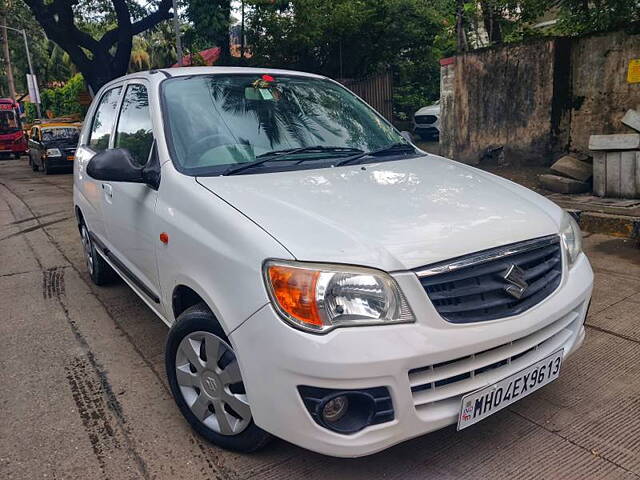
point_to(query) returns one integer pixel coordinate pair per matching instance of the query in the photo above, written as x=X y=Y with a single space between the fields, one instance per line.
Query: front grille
x=448 y=381
x=472 y=288
x=426 y=119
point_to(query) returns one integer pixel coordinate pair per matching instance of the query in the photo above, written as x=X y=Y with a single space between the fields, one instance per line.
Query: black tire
x=199 y=318
x=100 y=271
x=46 y=168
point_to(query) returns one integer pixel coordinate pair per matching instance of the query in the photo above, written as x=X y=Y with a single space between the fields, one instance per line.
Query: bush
x=64 y=100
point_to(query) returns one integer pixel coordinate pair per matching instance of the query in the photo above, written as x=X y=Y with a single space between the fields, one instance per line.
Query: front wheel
x=46 y=168
x=206 y=383
x=100 y=271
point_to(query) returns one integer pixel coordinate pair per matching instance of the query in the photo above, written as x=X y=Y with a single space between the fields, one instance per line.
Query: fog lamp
x=335 y=409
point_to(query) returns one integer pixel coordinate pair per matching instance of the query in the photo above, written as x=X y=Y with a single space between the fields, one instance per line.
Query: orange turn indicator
x=294 y=289
x=164 y=237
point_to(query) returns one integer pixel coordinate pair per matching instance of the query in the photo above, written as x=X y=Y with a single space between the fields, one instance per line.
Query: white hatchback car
x=324 y=280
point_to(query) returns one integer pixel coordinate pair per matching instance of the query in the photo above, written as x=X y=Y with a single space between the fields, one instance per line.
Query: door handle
x=108 y=190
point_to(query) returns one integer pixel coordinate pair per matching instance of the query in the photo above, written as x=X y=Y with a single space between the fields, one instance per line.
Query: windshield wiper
x=311 y=149
x=278 y=155
x=393 y=148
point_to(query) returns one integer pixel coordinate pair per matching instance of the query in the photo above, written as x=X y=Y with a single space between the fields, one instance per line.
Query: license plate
x=480 y=404
x=71 y=158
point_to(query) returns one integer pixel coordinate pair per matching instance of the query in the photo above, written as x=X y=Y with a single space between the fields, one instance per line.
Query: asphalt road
x=83 y=391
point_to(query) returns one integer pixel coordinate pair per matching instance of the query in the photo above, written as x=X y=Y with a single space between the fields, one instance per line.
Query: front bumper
x=60 y=162
x=275 y=359
x=13 y=149
x=432 y=130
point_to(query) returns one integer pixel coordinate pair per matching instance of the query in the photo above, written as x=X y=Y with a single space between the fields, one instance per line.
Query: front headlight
x=571 y=238
x=53 y=152
x=318 y=297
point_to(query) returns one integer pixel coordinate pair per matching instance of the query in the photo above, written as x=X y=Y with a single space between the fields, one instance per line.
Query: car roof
x=161 y=74
x=59 y=124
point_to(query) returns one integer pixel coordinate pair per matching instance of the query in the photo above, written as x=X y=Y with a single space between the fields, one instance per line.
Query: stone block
x=583 y=157
x=619 y=141
x=559 y=184
x=632 y=119
x=571 y=167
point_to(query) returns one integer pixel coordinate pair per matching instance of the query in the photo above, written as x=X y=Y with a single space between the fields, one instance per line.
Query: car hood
x=393 y=215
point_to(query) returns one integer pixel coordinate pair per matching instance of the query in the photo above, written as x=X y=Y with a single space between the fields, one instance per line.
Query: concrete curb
x=617 y=225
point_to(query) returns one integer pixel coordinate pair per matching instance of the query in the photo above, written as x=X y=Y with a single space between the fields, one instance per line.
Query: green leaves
x=210 y=20
x=520 y=19
x=64 y=100
x=353 y=38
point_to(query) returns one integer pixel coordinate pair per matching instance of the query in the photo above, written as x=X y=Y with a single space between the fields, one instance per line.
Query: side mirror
x=115 y=165
x=407 y=136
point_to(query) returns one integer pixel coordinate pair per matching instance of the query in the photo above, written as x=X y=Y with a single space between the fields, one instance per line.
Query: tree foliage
x=104 y=39
x=49 y=61
x=577 y=17
x=209 y=26
x=60 y=101
x=489 y=22
x=351 y=39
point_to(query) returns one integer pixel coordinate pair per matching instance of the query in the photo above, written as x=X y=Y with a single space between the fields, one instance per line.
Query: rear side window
x=134 y=131
x=103 y=120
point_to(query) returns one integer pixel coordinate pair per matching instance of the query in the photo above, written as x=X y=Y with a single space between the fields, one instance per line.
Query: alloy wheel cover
x=206 y=372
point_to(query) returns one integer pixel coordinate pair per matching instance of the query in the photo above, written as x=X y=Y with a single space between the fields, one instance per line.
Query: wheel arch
x=185 y=295
x=79 y=217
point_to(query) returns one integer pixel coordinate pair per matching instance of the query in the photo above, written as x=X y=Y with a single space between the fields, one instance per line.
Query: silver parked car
x=426 y=122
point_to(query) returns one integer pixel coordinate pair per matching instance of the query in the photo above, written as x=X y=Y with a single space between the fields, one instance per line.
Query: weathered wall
x=601 y=94
x=502 y=98
x=448 y=128
x=536 y=100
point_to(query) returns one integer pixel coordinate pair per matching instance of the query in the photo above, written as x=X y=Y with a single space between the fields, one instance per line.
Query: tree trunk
x=224 y=42
x=96 y=75
x=242 y=35
x=6 y=53
x=461 y=36
x=491 y=22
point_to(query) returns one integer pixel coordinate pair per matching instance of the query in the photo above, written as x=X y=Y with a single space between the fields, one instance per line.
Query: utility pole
x=33 y=76
x=176 y=27
x=23 y=32
x=5 y=48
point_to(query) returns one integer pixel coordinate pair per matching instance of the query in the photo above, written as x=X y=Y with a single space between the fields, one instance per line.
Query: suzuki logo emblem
x=211 y=383
x=517 y=283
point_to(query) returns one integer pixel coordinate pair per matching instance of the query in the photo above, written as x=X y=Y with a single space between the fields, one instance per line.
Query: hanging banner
x=34 y=92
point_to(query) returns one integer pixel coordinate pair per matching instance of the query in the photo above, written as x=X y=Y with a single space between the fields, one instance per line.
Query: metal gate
x=376 y=90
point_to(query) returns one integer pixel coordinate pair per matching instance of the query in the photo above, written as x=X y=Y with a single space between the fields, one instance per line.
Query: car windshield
x=9 y=121
x=219 y=122
x=60 y=133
